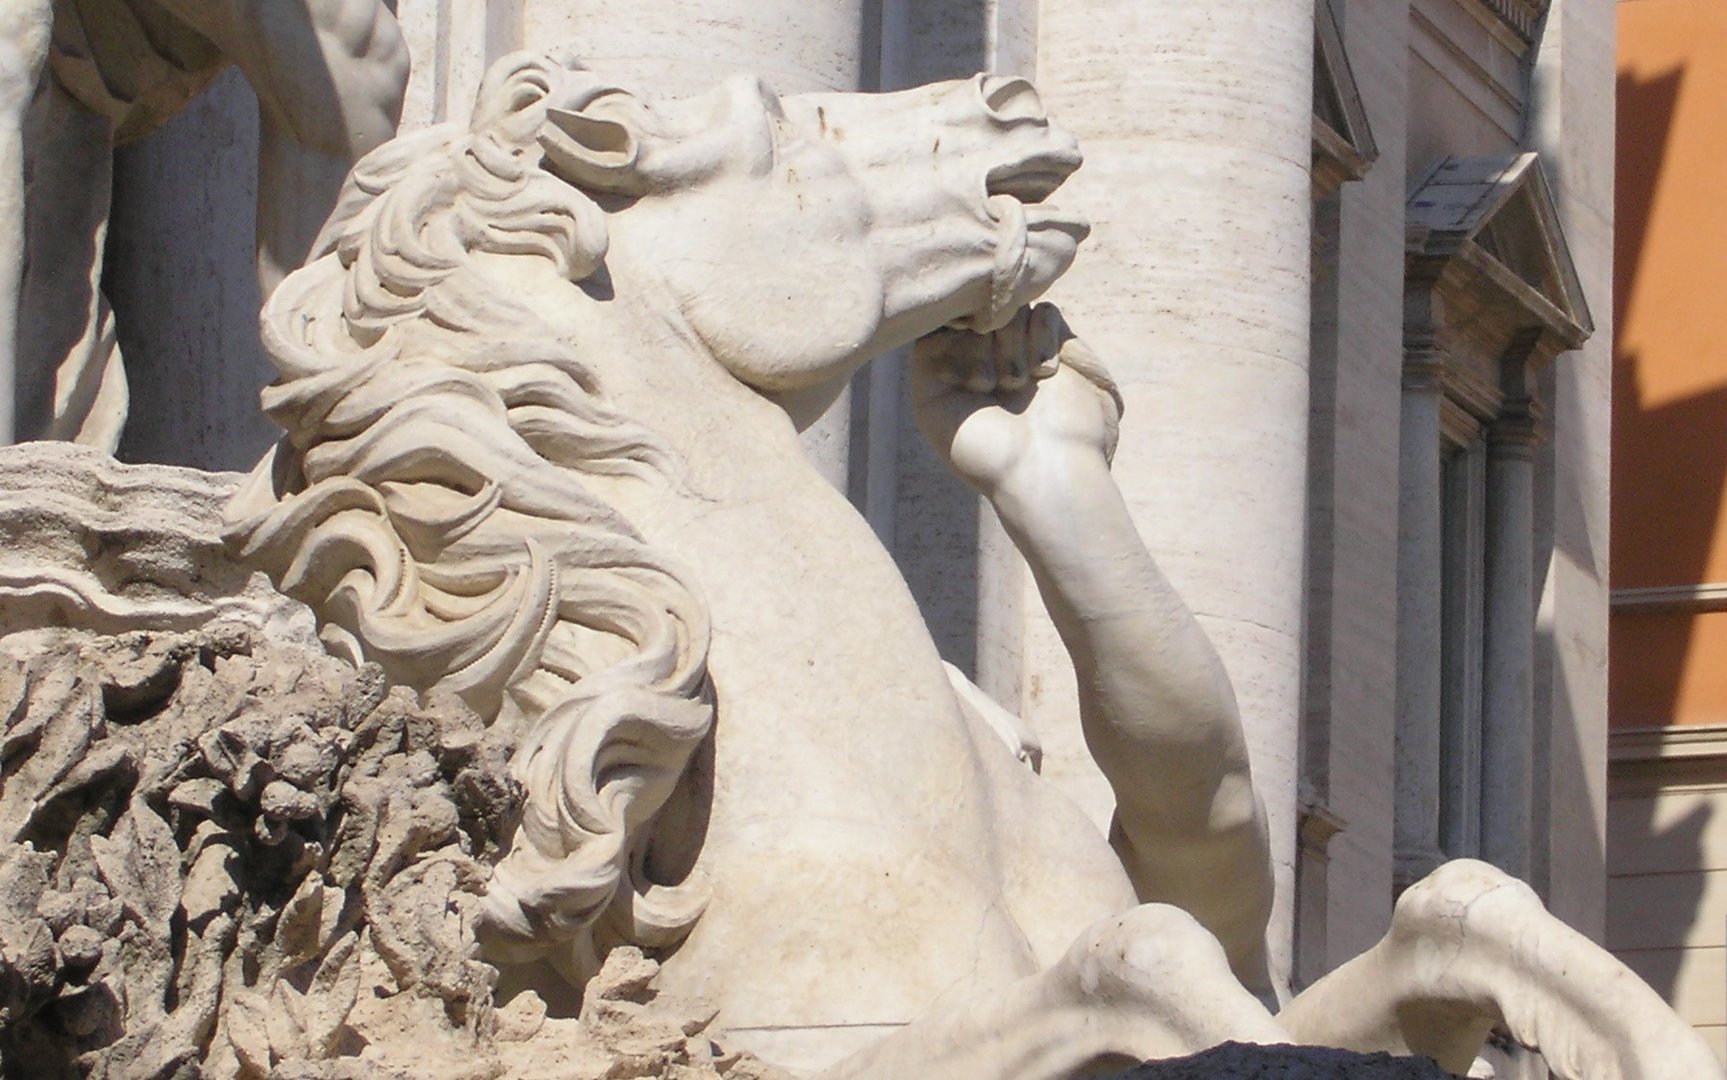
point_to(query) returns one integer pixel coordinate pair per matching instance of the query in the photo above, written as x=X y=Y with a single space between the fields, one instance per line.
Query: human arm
x=1027 y=416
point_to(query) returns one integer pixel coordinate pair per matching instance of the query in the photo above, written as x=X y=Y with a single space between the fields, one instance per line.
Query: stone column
x=25 y=33
x=1463 y=604
x=1508 y=636
x=12 y=225
x=685 y=46
x=17 y=79
x=679 y=47
x=1420 y=561
x=1196 y=121
x=182 y=277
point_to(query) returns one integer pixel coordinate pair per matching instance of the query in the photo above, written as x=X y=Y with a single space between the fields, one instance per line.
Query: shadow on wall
x=1667 y=481
x=1681 y=893
x=935 y=533
x=1669 y=469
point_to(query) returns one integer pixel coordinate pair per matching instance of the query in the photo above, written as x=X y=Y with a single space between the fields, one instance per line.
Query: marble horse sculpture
x=541 y=383
x=78 y=77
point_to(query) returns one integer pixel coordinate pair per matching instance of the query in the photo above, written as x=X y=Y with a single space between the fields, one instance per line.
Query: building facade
x=1667 y=854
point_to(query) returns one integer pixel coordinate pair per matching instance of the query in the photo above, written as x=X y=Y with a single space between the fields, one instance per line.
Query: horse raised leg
x=25 y=29
x=1471 y=948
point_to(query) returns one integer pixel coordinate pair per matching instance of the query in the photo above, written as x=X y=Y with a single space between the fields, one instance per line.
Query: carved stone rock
x=88 y=544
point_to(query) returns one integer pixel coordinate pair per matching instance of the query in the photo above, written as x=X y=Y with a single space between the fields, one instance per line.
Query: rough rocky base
x=1242 y=1061
x=226 y=856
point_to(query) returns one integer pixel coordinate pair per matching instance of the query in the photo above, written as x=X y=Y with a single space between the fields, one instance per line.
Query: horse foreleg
x=25 y=28
x=1471 y=948
x=1146 y=985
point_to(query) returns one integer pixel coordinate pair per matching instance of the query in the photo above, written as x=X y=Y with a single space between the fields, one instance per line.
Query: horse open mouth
x=1030 y=182
x=1034 y=179
x=1031 y=233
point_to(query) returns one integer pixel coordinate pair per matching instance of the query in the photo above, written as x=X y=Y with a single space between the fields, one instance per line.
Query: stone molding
x=1667 y=743
x=1343 y=144
x=1698 y=598
x=1652 y=760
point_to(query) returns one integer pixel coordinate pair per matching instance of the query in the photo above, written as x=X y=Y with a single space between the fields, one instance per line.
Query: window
x=1491 y=297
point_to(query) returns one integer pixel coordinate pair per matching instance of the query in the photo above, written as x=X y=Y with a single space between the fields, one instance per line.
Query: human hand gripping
x=1011 y=411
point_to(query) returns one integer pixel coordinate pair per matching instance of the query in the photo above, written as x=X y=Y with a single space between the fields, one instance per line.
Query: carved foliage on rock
x=209 y=841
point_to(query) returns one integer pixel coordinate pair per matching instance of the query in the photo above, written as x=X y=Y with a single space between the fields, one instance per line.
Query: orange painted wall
x=1669 y=518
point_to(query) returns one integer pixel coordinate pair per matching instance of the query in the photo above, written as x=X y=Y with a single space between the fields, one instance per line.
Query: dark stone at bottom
x=1243 y=1061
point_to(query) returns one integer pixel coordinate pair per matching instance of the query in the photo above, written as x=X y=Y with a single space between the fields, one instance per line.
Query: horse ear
x=595 y=147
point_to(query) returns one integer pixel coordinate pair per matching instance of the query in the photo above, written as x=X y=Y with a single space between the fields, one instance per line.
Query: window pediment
x=1489 y=225
x=1343 y=146
x=1522 y=16
x=1490 y=290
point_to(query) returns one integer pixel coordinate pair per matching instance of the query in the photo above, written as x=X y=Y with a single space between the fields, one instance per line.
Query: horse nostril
x=1012 y=100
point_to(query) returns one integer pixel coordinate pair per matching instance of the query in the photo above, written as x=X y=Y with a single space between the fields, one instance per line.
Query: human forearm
x=1151 y=684
x=1155 y=703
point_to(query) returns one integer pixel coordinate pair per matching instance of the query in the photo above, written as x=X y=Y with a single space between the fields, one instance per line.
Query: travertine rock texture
x=203 y=830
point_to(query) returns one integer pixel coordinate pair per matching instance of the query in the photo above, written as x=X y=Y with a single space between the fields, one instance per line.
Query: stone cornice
x=1649 y=761
x=1335 y=160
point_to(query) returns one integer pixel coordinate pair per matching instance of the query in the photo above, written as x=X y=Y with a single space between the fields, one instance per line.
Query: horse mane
x=430 y=503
